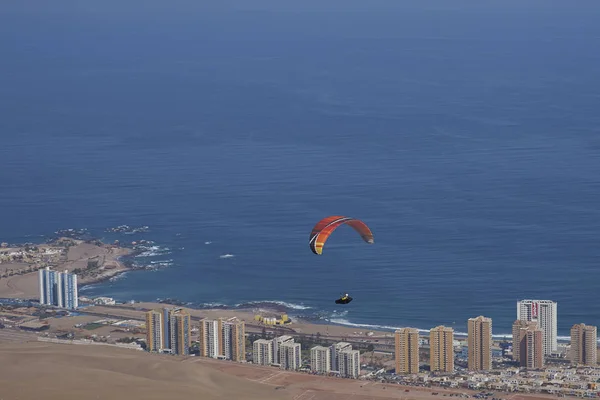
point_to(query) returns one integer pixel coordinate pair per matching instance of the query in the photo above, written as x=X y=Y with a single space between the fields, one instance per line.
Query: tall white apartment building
x=320 y=360
x=349 y=363
x=335 y=349
x=290 y=356
x=544 y=313
x=209 y=338
x=262 y=352
x=58 y=289
x=277 y=342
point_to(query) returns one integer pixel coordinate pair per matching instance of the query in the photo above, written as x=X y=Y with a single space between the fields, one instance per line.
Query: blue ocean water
x=466 y=135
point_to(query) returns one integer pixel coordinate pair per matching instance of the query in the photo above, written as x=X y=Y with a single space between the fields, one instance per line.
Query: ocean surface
x=466 y=134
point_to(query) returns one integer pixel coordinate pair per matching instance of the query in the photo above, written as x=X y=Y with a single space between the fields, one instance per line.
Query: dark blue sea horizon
x=466 y=135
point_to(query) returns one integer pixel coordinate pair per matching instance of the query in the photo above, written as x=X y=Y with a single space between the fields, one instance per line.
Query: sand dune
x=35 y=370
x=55 y=371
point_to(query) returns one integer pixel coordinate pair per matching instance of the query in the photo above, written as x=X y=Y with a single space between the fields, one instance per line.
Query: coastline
x=92 y=260
x=115 y=259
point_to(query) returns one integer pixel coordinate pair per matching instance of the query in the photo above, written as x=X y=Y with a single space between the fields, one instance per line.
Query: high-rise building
x=233 y=340
x=584 y=345
x=517 y=338
x=335 y=349
x=49 y=283
x=407 y=351
x=223 y=339
x=209 y=338
x=528 y=339
x=70 y=296
x=277 y=342
x=262 y=352
x=320 y=360
x=349 y=363
x=441 y=349
x=544 y=313
x=166 y=322
x=154 y=331
x=180 y=332
x=534 y=349
x=479 y=344
x=58 y=289
x=290 y=356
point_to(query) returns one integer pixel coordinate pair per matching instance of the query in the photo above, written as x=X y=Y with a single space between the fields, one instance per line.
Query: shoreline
x=92 y=260
x=107 y=275
x=118 y=260
x=274 y=308
x=361 y=327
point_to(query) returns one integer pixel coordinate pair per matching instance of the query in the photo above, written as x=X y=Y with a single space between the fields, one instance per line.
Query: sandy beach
x=19 y=279
x=297 y=326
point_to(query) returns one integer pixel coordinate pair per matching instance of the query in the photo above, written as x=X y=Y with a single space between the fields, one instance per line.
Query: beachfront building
x=262 y=352
x=544 y=313
x=49 y=284
x=479 y=343
x=166 y=327
x=517 y=338
x=69 y=290
x=320 y=360
x=441 y=349
x=154 y=331
x=407 y=351
x=277 y=342
x=349 y=363
x=335 y=349
x=180 y=332
x=223 y=339
x=209 y=338
x=584 y=345
x=58 y=289
x=232 y=340
x=290 y=356
x=528 y=339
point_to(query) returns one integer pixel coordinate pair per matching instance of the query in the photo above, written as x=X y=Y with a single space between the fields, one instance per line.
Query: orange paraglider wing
x=325 y=227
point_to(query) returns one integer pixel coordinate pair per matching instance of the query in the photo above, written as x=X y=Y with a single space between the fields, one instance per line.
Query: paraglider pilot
x=345 y=299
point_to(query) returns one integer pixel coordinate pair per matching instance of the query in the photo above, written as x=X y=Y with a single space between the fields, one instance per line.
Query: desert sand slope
x=55 y=371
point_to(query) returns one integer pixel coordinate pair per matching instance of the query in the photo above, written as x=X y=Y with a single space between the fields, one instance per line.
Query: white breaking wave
x=154 y=251
x=207 y=242
x=118 y=277
x=170 y=261
x=227 y=256
x=209 y=305
x=88 y=287
x=280 y=303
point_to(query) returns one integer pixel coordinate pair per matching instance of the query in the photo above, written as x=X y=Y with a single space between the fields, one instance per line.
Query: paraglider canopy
x=325 y=227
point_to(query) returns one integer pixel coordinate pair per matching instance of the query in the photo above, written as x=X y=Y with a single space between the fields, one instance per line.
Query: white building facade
x=277 y=342
x=262 y=352
x=210 y=332
x=544 y=312
x=290 y=356
x=335 y=350
x=320 y=360
x=58 y=289
x=349 y=363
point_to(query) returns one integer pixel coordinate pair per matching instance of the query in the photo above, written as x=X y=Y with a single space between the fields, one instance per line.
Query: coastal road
x=113 y=313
